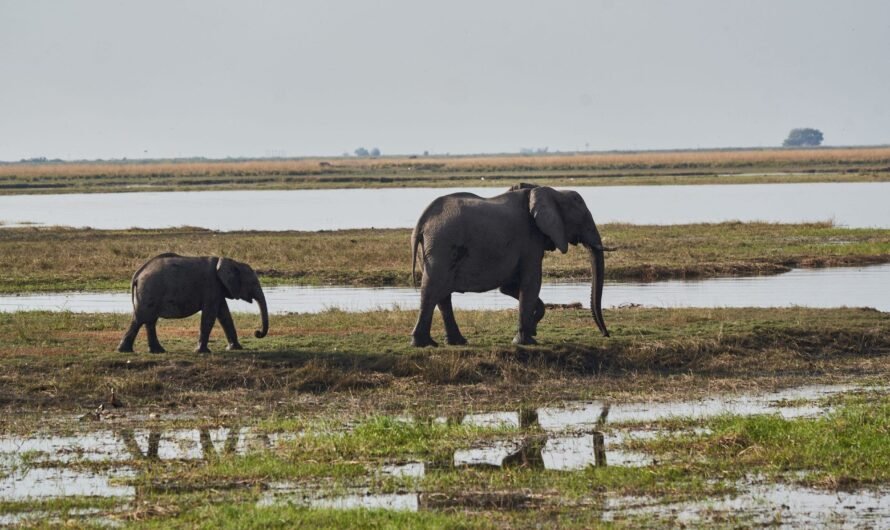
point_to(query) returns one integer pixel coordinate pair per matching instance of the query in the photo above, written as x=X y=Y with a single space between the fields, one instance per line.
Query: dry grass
x=676 y=159
x=346 y=359
x=648 y=167
x=603 y=160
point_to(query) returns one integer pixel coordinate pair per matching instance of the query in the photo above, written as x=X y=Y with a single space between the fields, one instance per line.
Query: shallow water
x=410 y=469
x=572 y=453
x=861 y=204
x=38 y=466
x=43 y=483
x=123 y=445
x=779 y=505
x=492 y=453
x=790 y=403
x=829 y=287
x=493 y=420
x=568 y=445
x=299 y=496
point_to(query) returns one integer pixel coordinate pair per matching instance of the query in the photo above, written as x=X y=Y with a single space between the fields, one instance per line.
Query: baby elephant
x=174 y=286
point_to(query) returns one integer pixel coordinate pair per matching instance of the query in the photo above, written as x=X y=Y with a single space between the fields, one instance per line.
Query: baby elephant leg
x=228 y=325
x=208 y=318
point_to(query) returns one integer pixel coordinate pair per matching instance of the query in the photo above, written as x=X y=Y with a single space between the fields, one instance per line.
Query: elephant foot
x=524 y=339
x=157 y=349
x=202 y=349
x=235 y=346
x=125 y=348
x=456 y=341
x=422 y=342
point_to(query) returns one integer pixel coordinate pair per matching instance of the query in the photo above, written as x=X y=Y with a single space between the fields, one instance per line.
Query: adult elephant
x=473 y=244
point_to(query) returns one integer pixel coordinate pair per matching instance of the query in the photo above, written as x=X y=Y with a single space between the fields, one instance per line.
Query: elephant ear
x=229 y=273
x=545 y=210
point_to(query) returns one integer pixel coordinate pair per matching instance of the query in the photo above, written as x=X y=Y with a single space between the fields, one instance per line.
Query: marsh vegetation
x=106 y=259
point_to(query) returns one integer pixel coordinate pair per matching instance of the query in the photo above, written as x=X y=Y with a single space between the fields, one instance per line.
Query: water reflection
x=790 y=403
x=859 y=204
x=22 y=484
x=136 y=444
x=575 y=437
x=830 y=287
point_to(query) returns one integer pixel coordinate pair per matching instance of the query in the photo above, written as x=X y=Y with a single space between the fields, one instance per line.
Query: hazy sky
x=108 y=79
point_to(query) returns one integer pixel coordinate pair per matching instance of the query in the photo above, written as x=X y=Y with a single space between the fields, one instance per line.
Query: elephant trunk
x=597 y=266
x=260 y=297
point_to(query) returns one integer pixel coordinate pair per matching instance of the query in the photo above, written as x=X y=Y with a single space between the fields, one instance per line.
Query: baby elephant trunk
x=260 y=298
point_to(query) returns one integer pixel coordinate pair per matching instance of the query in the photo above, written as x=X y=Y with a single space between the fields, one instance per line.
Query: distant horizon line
x=47 y=160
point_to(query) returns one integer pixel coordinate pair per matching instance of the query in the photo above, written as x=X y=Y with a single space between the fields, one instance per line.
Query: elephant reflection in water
x=207 y=448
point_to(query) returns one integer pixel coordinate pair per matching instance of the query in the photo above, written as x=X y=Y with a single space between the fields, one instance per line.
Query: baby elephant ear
x=545 y=210
x=229 y=274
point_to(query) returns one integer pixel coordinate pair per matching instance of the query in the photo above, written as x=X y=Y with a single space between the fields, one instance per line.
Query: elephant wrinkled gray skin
x=473 y=244
x=174 y=286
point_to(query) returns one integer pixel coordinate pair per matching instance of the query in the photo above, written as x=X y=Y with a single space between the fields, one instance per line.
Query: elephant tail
x=416 y=239
x=133 y=293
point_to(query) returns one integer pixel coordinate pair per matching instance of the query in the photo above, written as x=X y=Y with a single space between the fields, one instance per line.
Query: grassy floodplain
x=105 y=259
x=344 y=384
x=733 y=166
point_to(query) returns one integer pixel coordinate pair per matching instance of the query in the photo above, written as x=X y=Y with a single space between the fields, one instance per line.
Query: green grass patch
x=248 y=515
x=846 y=447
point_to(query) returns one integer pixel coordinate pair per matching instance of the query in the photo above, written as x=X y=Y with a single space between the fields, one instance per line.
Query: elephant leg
x=420 y=337
x=126 y=344
x=528 y=299
x=453 y=335
x=513 y=291
x=228 y=325
x=208 y=318
x=152 y=330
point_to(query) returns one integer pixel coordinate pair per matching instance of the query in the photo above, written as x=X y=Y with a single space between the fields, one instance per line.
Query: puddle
x=493 y=454
x=18 y=453
x=860 y=204
x=493 y=420
x=403 y=501
x=396 y=501
x=411 y=469
x=129 y=444
x=44 y=483
x=571 y=442
x=573 y=453
x=574 y=438
x=584 y=416
x=828 y=287
x=560 y=453
x=782 y=505
x=287 y=493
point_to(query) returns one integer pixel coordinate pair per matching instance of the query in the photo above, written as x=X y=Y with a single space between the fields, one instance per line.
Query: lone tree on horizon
x=805 y=137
